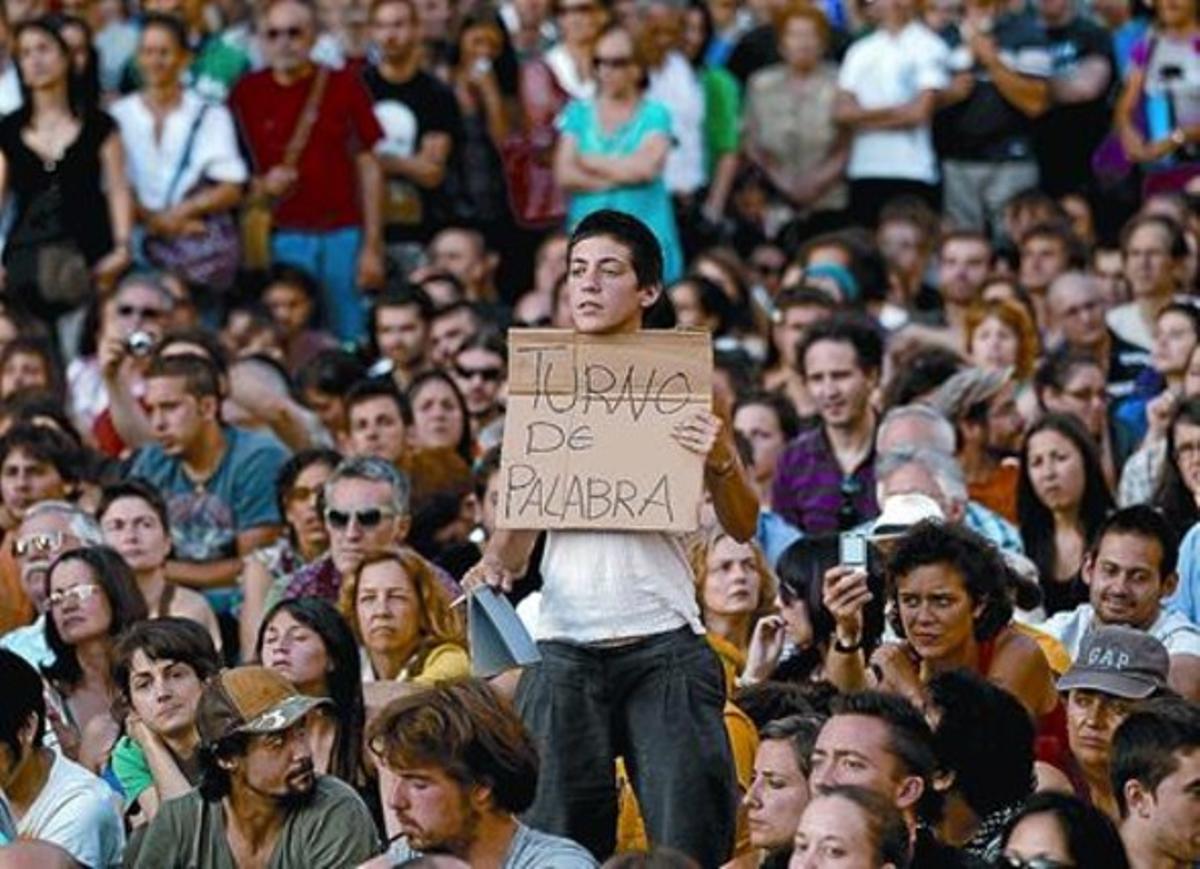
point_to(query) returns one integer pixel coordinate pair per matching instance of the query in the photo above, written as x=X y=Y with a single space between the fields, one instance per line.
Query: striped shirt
x=812 y=492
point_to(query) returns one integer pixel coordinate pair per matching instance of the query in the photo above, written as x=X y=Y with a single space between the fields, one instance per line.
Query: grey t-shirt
x=530 y=849
x=332 y=831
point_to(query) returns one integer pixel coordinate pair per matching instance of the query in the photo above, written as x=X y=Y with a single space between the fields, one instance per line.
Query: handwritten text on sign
x=587 y=435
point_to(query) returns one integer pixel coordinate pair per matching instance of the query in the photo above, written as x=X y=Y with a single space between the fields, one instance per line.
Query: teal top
x=649 y=202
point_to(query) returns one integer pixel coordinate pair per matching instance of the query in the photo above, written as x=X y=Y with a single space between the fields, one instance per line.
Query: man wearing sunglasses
x=48 y=530
x=481 y=373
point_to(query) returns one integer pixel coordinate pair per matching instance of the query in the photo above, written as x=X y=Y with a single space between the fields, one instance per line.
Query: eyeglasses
x=1011 y=861
x=274 y=33
x=614 y=62
x=847 y=511
x=488 y=375
x=135 y=311
x=43 y=543
x=303 y=494
x=367 y=519
x=78 y=593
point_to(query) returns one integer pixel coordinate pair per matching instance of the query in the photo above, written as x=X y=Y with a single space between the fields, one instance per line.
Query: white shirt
x=151 y=163
x=676 y=85
x=10 y=89
x=567 y=74
x=29 y=641
x=76 y=811
x=1174 y=631
x=603 y=586
x=885 y=70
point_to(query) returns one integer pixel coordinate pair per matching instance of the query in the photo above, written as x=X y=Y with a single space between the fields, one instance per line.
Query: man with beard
x=464 y=766
x=260 y=803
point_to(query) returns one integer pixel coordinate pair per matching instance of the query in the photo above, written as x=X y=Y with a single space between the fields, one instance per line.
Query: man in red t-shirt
x=328 y=206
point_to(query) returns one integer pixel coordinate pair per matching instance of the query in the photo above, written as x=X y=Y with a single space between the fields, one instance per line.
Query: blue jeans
x=659 y=703
x=331 y=258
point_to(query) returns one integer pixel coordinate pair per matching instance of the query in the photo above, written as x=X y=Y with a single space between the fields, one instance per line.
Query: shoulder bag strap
x=308 y=119
x=186 y=157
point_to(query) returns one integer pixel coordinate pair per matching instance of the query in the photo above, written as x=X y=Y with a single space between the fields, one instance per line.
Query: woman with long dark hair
x=1061 y=500
x=61 y=160
x=1179 y=487
x=308 y=641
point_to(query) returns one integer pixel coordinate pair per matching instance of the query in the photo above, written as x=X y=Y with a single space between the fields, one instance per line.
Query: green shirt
x=332 y=831
x=722 y=114
x=131 y=769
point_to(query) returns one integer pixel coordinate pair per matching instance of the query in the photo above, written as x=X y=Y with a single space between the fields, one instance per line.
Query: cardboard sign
x=587 y=433
x=496 y=636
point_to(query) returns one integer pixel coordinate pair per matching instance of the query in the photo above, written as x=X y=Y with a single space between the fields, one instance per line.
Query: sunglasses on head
x=367 y=519
x=43 y=543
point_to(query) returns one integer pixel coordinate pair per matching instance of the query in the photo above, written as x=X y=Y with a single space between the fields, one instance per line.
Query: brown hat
x=249 y=700
x=1120 y=661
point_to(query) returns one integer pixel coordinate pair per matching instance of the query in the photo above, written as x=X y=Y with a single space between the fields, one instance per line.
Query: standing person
x=643 y=600
x=824 y=480
x=63 y=164
x=613 y=149
x=1000 y=65
x=1155 y=770
x=46 y=795
x=421 y=124
x=260 y=802
x=326 y=200
x=887 y=91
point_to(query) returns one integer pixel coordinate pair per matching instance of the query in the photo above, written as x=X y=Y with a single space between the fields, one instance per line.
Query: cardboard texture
x=496 y=636
x=587 y=433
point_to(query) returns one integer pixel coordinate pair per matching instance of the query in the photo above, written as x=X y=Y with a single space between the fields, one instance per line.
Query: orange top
x=999 y=491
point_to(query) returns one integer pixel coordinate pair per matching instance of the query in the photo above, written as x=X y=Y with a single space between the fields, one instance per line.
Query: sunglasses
x=42 y=543
x=367 y=519
x=274 y=33
x=489 y=375
x=135 y=311
x=613 y=62
x=78 y=593
x=1008 y=861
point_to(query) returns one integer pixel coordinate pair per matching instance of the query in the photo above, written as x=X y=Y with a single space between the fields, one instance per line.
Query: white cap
x=901 y=512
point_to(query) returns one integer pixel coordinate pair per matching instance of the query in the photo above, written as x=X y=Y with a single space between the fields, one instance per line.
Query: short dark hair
x=803 y=296
x=1092 y=839
x=1057 y=367
x=135 y=487
x=985 y=737
x=1141 y=520
x=402 y=297
x=292 y=275
x=378 y=387
x=1145 y=746
x=330 y=371
x=115 y=578
x=200 y=376
x=630 y=233
x=799 y=732
x=780 y=405
x=890 y=836
x=44 y=445
x=464 y=728
x=867 y=344
x=169 y=23
x=490 y=340
x=1062 y=233
x=206 y=339
x=978 y=562
x=1176 y=240
x=23 y=694
x=165 y=639
x=909 y=736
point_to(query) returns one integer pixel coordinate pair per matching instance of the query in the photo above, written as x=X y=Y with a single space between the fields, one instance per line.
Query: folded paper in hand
x=496 y=635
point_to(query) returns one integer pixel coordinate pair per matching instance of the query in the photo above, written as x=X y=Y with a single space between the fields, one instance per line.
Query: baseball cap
x=249 y=700
x=900 y=512
x=1121 y=661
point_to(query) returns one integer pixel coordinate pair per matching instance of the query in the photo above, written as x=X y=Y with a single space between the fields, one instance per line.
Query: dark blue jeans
x=658 y=703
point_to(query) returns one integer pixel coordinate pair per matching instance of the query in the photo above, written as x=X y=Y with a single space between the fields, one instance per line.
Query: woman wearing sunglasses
x=1055 y=831
x=403 y=620
x=91 y=597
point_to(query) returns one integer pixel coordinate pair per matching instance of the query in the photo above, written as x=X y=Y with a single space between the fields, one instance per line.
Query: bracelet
x=847 y=648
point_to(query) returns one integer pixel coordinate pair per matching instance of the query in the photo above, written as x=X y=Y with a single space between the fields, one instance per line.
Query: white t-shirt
x=78 y=812
x=676 y=85
x=151 y=162
x=1174 y=631
x=885 y=70
x=605 y=586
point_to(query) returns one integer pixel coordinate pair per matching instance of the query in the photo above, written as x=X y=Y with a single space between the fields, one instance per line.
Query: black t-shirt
x=1067 y=135
x=985 y=126
x=408 y=111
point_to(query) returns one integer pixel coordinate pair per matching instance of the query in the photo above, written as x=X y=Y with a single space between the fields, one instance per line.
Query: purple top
x=810 y=489
x=322 y=579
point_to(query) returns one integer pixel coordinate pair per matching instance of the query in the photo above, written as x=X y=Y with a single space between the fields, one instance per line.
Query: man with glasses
x=481 y=373
x=825 y=480
x=421 y=124
x=327 y=200
x=1075 y=309
x=49 y=529
x=218 y=480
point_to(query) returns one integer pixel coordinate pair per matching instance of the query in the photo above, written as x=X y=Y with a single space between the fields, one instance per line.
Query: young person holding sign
x=625 y=668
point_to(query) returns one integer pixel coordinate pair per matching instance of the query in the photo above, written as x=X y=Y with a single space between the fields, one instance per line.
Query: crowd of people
x=941 y=604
